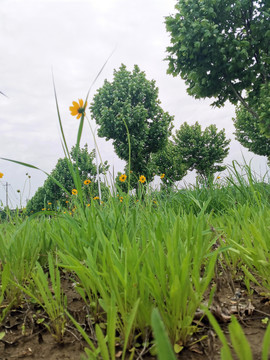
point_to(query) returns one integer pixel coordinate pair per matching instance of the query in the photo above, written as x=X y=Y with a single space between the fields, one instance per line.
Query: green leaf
x=164 y=348
x=239 y=341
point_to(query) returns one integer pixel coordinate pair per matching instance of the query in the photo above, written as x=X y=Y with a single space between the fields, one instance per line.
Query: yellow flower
x=123 y=177
x=78 y=108
x=87 y=182
x=43 y=209
x=88 y=205
x=49 y=203
x=162 y=176
x=66 y=201
x=96 y=198
x=74 y=192
x=1 y=175
x=142 y=179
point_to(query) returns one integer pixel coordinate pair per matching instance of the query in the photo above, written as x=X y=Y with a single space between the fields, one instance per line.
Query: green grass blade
x=239 y=341
x=266 y=343
x=164 y=348
x=111 y=319
x=226 y=352
x=129 y=326
x=81 y=331
x=102 y=344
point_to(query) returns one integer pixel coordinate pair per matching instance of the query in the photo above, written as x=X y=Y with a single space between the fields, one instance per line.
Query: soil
x=26 y=336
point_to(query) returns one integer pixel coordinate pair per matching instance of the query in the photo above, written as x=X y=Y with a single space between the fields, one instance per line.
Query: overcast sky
x=74 y=38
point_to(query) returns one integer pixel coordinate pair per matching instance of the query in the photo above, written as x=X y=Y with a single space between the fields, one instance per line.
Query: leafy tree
x=50 y=192
x=169 y=164
x=38 y=201
x=249 y=134
x=202 y=151
x=221 y=49
x=131 y=100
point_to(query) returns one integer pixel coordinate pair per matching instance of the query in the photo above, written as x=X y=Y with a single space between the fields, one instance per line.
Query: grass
x=130 y=258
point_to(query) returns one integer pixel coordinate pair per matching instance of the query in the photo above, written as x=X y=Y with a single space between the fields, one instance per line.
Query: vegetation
x=221 y=49
x=169 y=164
x=148 y=271
x=52 y=196
x=249 y=133
x=202 y=150
x=130 y=260
x=130 y=104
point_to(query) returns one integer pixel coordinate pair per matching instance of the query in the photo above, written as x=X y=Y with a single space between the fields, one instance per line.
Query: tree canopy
x=131 y=100
x=169 y=165
x=249 y=133
x=51 y=193
x=203 y=151
x=221 y=49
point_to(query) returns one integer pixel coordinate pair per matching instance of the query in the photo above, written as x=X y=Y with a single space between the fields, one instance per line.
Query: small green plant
x=48 y=294
x=238 y=340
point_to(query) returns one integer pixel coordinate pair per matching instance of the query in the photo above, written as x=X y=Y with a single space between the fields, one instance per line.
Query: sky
x=72 y=39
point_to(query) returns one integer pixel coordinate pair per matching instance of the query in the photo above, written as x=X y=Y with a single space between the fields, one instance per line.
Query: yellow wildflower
x=88 y=205
x=142 y=179
x=74 y=192
x=162 y=176
x=78 y=108
x=87 y=182
x=96 y=198
x=49 y=203
x=1 y=175
x=123 y=177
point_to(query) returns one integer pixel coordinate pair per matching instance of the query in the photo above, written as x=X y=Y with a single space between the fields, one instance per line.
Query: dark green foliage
x=169 y=162
x=202 y=151
x=221 y=49
x=131 y=100
x=50 y=192
x=249 y=134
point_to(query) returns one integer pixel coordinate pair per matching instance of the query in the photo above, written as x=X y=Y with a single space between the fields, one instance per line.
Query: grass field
x=180 y=274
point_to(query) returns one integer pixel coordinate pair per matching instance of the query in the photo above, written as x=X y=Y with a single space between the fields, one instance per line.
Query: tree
x=131 y=100
x=249 y=134
x=168 y=163
x=50 y=192
x=202 y=151
x=221 y=49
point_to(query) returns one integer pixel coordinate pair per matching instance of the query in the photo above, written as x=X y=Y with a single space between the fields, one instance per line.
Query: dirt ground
x=26 y=338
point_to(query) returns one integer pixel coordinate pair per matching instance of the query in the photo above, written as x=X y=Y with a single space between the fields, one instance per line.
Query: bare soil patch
x=26 y=337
